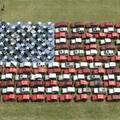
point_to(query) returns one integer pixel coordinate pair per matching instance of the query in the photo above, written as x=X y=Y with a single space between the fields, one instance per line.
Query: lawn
x=60 y=10
x=59 y=111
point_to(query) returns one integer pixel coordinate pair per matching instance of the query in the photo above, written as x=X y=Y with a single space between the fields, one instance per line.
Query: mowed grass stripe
x=60 y=10
x=59 y=111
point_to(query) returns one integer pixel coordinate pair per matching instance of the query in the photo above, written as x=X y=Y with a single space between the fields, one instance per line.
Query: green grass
x=61 y=10
x=59 y=111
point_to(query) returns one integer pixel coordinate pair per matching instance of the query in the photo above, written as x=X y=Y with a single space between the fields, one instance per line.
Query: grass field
x=59 y=111
x=60 y=10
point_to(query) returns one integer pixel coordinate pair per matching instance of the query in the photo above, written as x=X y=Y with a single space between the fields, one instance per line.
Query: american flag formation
x=51 y=62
